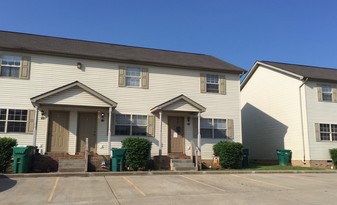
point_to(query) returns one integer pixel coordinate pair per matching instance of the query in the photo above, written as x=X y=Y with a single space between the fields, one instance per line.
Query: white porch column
x=109 y=132
x=160 y=133
x=35 y=126
x=199 y=135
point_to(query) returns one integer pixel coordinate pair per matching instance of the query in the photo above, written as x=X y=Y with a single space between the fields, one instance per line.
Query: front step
x=182 y=165
x=71 y=165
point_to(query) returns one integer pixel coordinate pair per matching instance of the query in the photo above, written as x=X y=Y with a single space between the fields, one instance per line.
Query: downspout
x=160 y=133
x=35 y=125
x=109 y=132
x=301 y=111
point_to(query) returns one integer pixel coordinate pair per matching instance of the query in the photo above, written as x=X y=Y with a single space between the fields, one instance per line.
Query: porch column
x=199 y=135
x=160 y=133
x=35 y=125
x=109 y=132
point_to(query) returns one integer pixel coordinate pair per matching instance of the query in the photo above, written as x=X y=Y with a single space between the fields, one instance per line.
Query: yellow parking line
x=134 y=186
x=199 y=182
x=53 y=190
x=262 y=182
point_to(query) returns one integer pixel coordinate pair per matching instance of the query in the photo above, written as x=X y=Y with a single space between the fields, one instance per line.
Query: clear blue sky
x=237 y=31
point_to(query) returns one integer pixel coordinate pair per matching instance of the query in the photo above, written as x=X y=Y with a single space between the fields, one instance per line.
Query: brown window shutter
x=334 y=93
x=150 y=125
x=222 y=89
x=202 y=82
x=230 y=129
x=121 y=76
x=25 y=67
x=30 y=122
x=195 y=127
x=113 y=124
x=319 y=92
x=145 y=78
x=318 y=132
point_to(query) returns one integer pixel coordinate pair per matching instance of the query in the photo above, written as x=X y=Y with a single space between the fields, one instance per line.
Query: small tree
x=230 y=153
x=333 y=155
x=6 y=152
x=137 y=152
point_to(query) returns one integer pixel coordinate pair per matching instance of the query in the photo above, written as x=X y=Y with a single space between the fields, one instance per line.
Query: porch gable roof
x=180 y=103
x=42 y=98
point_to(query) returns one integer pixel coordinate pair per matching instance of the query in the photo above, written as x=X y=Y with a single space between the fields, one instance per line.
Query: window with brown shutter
x=15 y=66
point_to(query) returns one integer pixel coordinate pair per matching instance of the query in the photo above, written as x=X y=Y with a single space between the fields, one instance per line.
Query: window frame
x=11 y=66
x=131 y=125
x=327 y=93
x=209 y=82
x=139 y=78
x=213 y=128
x=8 y=120
x=332 y=134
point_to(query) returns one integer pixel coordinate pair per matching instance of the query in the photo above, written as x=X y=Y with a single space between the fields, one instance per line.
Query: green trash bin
x=284 y=157
x=245 y=159
x=117 y=159
x=23 y=156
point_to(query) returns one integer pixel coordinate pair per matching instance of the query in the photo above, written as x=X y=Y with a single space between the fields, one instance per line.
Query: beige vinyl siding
x=74 y=96
x=319 y=112
x=49 y=72
x=181 y=105
x=271 y=118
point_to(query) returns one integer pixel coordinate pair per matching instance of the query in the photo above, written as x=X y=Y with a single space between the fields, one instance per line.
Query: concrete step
x=184 y=169
x=71 y=165
x=182 y=165
x=181 y=161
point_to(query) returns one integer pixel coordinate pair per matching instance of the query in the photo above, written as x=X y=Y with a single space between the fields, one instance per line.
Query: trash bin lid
x=19 y=150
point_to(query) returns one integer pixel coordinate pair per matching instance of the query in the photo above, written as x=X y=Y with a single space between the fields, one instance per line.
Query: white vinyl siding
x=271 y=116
x=319 y=112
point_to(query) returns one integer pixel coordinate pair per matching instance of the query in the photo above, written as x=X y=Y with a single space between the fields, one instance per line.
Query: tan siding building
x=72 y=93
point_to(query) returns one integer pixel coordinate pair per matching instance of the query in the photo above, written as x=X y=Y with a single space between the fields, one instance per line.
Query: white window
x=212 y=83
x=328 y=132
x=131 y=125
x=133 y=76
x=326 y=93
x=213 y=128
x=10 y=66
x=13 y=120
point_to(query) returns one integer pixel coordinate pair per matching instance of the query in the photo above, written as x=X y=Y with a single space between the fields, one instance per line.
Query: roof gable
x=76 y=94
x=180 y=103
x=299 y=71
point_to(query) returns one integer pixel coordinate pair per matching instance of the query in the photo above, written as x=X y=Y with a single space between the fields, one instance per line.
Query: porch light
x=79 y=65
x=102 y=117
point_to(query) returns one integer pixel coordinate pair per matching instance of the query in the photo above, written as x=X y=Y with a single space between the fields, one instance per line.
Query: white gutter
x=301 y=110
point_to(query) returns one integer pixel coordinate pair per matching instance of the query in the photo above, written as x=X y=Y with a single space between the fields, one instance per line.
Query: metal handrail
x=195 y=152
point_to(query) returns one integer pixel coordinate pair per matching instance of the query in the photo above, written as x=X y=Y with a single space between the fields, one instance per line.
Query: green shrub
x=230 y=153
x=137 y=152
x=333 y=155
x=6 y=152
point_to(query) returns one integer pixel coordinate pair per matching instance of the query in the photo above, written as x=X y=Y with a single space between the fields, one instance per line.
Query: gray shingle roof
x=311 y=72
x=111 y=52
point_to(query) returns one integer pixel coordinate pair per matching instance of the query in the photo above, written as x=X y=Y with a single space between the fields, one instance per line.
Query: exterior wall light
x=79 y=65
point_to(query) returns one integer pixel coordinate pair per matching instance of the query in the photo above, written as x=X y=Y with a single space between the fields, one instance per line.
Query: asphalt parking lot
x=172 y=189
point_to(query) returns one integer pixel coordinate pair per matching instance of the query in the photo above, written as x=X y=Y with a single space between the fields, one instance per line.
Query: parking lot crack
x=113 y=193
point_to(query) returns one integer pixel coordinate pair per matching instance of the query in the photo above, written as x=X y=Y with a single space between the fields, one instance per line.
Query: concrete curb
x=147 y=173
